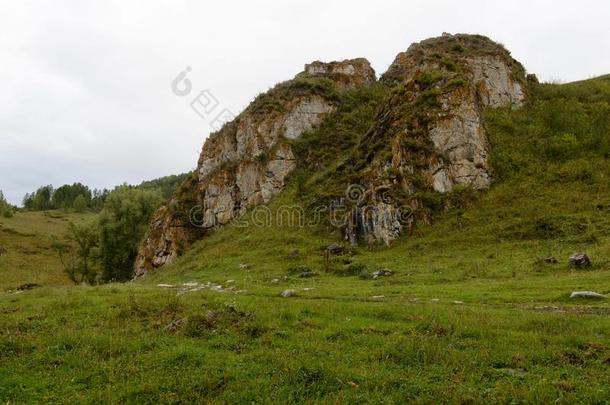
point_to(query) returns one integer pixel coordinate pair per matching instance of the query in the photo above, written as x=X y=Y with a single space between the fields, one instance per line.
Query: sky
x=86 y=86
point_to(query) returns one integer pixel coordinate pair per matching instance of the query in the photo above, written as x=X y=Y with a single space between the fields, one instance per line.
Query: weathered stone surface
x=432 y=130
x=246 y=163
x=461 y=138
x=348 y=73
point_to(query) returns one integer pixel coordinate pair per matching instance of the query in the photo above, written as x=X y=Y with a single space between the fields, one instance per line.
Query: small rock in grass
x=191 y=284
x=295 y=254
x=288 y=293
x=587 y=294
x=244 y=266
x=377 y=297
x=383 y=273
x=230 y=281
x=165 y=285
x=551 y=260
x=458 y=302
x=308 y=274
x=435 y=300
x=275 y=280
x=335 y=249
x=28 y=286
x=308 y=288
x=579 y=261
x=174 y=325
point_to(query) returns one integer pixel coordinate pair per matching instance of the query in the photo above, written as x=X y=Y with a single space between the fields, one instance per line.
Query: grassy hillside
x=472 y=314
x=27 y=239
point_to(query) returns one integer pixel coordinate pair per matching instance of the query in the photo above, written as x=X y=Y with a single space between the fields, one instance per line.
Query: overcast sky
x=85 y=86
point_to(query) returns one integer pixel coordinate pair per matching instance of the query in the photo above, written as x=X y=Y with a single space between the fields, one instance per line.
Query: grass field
x=472 y=313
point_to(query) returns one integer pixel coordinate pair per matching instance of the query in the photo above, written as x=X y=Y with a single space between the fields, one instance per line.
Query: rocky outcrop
x=431 y=134
x=246 y=163
x=348 y=74
x=428 y=140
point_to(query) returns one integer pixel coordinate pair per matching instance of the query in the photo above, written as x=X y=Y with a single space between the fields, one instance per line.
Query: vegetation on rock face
x=273 y=102
x=321 y=151
x=447 y=52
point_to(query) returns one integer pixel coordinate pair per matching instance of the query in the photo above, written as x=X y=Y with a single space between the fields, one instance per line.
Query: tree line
x=76 y=196
x=80 y=197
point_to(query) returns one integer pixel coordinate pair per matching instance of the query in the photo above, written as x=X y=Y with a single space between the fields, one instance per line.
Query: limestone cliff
x=431 y=136
x=247 y=161
x=427 y=139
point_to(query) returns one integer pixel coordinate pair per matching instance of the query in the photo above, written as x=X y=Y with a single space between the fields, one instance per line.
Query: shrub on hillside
x=79 y=255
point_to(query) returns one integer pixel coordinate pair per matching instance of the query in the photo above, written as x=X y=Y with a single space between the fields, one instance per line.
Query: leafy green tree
x=80 y=203
x=122 y=224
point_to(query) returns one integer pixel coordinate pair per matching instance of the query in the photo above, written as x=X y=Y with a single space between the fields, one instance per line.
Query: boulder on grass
x=288 y=293
x=587 y=294
x=579 y=261
x=383 y=273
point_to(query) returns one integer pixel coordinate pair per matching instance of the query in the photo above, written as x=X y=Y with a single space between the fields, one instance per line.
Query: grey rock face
x=462 y=139
x=347 y=74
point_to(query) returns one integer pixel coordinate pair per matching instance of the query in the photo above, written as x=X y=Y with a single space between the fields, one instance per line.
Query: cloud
x=86 y=85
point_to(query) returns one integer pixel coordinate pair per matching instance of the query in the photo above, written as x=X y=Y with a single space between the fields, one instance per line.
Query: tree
x=122 y=224
x=79 y=255
x=65 y=196
x=80 y=203
x=98 y=199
